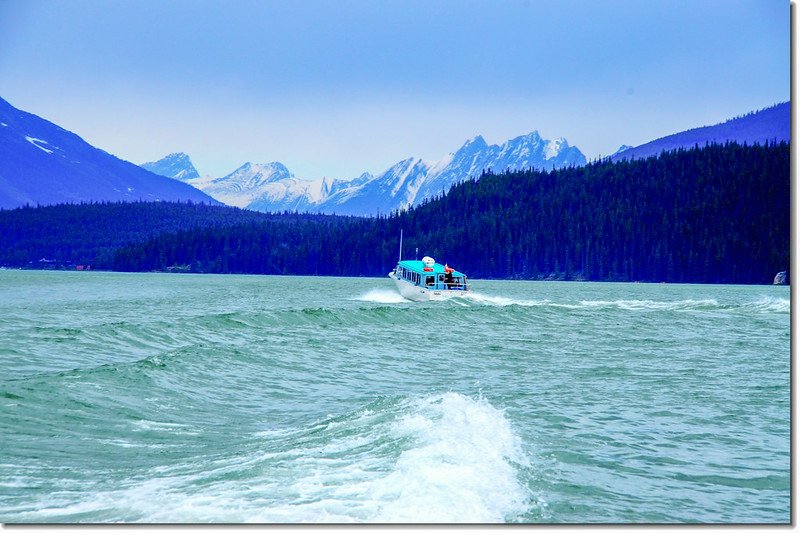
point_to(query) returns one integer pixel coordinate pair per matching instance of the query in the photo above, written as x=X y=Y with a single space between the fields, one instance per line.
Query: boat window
x=429 y=280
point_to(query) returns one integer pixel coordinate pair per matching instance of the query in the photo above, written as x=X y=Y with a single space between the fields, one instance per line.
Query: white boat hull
x=416 y=293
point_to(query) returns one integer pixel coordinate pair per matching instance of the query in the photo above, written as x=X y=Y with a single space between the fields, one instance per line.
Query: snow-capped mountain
x=414 y=180
x=526 y=151
x=262 y=186
x=370 y=195
x=409 y=182
x=41 y=163
x=177 y=166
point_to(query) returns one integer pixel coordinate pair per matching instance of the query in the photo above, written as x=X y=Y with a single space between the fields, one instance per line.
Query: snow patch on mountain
x=38 y=143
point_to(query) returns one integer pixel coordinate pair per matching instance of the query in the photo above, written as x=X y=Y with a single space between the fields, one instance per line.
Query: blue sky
x=334 y=88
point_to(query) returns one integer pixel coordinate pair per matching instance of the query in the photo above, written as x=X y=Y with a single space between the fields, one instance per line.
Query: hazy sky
x=334 y=88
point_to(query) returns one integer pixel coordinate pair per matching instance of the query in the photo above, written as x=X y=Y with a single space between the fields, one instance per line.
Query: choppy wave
x=218 y=408
x=438 y=458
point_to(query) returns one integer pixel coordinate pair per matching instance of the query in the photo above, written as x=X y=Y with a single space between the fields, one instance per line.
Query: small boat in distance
x=427 y=280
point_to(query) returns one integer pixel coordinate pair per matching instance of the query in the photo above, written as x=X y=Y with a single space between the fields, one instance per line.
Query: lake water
x=194 y=398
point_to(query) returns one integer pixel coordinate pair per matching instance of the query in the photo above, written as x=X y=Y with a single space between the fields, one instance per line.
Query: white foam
x=150 y=425
x=640 y=305
x=382 y=296
x=766 y=304
x=502 y=301
x=458 y=463
x=462 y=468
x=125 y=443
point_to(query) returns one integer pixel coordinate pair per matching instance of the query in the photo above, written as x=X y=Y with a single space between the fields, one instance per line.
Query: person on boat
x=448 y=278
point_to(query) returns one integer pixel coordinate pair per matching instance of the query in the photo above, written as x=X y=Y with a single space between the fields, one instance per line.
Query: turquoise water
x=175 y=398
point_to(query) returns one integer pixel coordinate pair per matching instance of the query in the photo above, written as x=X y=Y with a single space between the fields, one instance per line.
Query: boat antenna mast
x=400 y=255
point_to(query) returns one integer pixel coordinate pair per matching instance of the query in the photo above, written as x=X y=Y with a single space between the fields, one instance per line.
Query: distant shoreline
x=105 y=271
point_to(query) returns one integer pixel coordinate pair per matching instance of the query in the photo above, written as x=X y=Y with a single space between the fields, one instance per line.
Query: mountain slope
x=42 y=163
x=770 y=124
x=176 y=166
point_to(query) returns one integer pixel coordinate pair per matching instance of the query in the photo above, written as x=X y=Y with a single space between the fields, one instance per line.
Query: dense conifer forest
x=62 y=236
x=718 y=214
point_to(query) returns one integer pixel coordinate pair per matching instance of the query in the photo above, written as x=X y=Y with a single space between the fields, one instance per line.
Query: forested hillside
x=718 y=214
x=90 y=234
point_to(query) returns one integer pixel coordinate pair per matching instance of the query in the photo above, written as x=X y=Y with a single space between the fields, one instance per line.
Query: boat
x=427 y=280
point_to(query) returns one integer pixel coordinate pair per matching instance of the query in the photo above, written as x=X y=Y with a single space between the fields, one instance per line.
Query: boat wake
x=771 y=305
x=763 y=305
x=502 y=301
x=438 y=458
x=381 y=296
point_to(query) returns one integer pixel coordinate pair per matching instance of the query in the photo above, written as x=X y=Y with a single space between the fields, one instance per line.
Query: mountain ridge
x=271 y=187
x=771 y=123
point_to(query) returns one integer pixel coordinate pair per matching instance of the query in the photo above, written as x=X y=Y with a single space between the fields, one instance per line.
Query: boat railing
x=444 y=286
